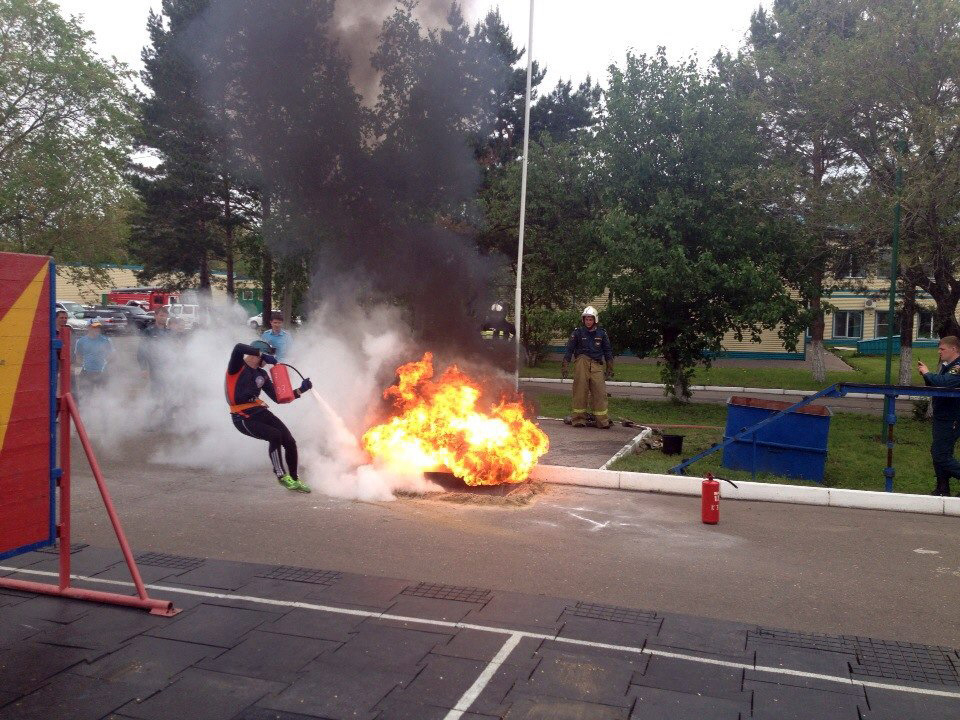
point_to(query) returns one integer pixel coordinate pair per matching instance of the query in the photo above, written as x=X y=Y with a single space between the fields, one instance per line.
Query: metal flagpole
x=523 y=197
x=889 y=403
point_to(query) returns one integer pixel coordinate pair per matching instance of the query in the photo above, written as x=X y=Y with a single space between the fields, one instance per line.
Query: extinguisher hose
x=297 y=371
x=711 y=477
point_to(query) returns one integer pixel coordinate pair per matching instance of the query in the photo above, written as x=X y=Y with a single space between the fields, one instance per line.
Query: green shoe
x=290 y=484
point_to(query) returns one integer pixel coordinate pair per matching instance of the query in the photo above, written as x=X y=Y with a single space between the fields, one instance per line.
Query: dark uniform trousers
x=945 y=436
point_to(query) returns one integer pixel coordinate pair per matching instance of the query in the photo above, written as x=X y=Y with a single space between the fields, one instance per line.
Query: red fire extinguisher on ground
x=281 y=382
x=710 y=500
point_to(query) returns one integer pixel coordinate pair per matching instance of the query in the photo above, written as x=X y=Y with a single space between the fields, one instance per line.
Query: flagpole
x=523 y=197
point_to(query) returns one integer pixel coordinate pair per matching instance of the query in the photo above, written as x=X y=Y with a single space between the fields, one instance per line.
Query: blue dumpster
x=794 y=445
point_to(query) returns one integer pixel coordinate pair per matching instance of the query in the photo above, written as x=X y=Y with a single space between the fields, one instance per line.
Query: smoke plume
x=181 y=415
x=378 y=196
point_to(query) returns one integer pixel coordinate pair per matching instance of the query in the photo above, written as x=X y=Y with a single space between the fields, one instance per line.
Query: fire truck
x=149 y=298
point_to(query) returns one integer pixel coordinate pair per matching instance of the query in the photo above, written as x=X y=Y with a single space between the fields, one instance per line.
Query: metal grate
x=176 y=562
x=55 y=548
x=304 y=575
x=613 y=613
x=435 y=591
x=876 y=658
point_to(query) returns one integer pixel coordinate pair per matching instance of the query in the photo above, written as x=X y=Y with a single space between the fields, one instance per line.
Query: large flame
x=437 y=425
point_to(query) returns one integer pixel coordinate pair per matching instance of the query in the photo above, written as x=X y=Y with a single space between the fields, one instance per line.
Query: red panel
x=25 y=487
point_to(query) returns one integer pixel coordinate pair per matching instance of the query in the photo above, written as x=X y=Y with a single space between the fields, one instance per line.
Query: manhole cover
x=448 y=592
x=613 y=613
x=177 y=562
x=303 y=575
x=876 y=658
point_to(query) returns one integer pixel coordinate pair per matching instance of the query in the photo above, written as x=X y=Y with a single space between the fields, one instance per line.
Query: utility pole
x=523 y=199
x=889 y=404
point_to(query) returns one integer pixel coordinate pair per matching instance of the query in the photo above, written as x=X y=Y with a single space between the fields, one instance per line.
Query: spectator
x=946 y=413
x=92 y=354
x=150 y=349
x=277 y=337
x=589 y=346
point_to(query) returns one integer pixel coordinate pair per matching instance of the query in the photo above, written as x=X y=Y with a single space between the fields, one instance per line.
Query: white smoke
x=184 y=421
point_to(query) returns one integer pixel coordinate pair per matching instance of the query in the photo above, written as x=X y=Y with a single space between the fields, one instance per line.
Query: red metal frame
x=67 y=410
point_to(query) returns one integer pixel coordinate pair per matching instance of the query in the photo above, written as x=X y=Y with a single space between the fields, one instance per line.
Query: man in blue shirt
x=92 y=354
x=589 y=346
x=946 y=413
x=278 y=338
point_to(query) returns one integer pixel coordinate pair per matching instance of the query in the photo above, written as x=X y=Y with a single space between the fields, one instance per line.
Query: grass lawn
x=855 y=456
x=867 y=369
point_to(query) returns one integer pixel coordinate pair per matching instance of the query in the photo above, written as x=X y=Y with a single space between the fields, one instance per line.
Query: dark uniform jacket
x=244 y=383
x=595 y=344
x=948 y=376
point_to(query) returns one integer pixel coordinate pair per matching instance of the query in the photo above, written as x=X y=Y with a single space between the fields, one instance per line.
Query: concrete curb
x=710 y=388
x=758 y=492
x=628 y=448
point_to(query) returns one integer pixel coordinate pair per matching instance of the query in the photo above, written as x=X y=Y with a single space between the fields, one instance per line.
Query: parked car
x=256 y=321
x=74 y=311
x=70 y=306
x=137 y=317
x=192 y=315
x=113 y=322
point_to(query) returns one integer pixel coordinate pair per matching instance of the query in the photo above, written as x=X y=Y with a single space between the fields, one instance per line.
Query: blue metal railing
x=837 y=390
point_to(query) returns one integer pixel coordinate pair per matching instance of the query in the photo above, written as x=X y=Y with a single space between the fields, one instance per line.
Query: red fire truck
x=148 y=297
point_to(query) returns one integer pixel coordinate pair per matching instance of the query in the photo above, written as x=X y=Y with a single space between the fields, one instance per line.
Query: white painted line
x=502 y=631
x=628 y=448
x=596 y=525
x=471 y=695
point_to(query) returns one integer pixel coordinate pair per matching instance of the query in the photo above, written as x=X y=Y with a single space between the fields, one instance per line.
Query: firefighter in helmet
x=251 y=416
x=589 y=347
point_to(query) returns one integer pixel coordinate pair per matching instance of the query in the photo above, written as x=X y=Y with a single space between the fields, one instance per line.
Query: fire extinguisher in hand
x=710 y=500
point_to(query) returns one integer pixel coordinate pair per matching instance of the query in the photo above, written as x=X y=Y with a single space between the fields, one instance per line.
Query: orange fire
x=437 y=425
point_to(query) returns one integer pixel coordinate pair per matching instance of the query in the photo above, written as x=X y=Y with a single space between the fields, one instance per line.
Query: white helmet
x=589 y=310
x=496 y=307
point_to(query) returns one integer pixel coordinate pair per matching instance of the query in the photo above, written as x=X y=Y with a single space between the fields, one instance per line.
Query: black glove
x=306 y=385
x=268 y=359
x=564 y=366
x=609 y=371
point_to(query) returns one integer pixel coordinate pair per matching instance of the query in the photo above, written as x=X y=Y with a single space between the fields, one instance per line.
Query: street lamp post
x=523 y=198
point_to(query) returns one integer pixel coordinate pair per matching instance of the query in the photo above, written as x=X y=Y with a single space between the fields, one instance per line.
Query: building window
x=925 y=329
x=848 y=324
x=246 y=294
x=851 y=266
x=883 y=329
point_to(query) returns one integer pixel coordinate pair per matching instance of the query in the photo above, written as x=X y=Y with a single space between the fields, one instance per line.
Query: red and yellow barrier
x=27 y=397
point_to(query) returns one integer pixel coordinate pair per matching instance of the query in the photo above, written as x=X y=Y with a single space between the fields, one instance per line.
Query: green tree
x=688 y=254
x=809 y=173
x=900 y=79
x=187 y=198
x=65 y=132
x=560 y=244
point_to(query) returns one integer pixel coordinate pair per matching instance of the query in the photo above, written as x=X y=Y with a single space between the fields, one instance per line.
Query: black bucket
x=672 y=444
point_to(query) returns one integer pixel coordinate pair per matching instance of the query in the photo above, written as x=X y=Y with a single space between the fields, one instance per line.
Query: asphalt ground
x=816 y=569
x=587 y=447
x=258 y=641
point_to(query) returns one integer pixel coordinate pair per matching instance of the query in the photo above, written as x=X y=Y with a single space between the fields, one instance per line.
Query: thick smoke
x=183 y=420
x=373 y=190
x=375 y=199
x=356 y=26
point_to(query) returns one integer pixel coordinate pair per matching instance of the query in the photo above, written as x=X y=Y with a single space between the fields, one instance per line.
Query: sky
x=573 y=38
